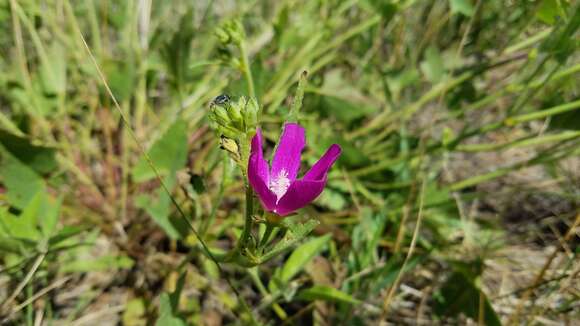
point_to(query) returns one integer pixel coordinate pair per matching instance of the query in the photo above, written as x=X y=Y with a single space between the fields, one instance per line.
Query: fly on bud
x=221 y=99
x=234 y=118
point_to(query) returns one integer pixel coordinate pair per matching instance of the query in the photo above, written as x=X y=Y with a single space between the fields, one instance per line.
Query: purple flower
x=278 y=188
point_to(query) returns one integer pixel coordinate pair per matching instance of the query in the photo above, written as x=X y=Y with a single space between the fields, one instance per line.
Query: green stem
x=246 y=69
x=297 y=104
x=249 y=211
x=267 y=234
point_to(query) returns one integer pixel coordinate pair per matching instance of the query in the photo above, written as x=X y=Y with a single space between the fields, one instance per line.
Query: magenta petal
x=287 y=157
x=258 y=174
x=299 y=194
x=320 y=168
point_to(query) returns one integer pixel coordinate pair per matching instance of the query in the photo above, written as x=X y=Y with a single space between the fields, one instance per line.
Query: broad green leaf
x=121 y=76
x=53 y=72
x=326 y=293
x=167 y=316
x=168 y=153
x=169 y=304
x=433 y=66
x=345 y=110
x=25 y=225
x=21 y=182
x=464 y=7
x=159 y=208
x=301 y=256
x=548 y=11
x=40 y=158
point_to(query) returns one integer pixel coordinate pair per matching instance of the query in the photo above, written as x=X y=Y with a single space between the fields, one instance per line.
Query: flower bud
x=235 y=30
x=235 y=113
x=221 y=115
x=230 y=32
x=222 y=35
x=251 y=109
x=230 y=146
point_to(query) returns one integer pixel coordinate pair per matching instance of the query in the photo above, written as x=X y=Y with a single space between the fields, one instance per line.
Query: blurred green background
x=455 y=199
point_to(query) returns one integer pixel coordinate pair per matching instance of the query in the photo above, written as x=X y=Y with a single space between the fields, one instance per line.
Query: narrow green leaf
x=326 y=293
x=301 y=256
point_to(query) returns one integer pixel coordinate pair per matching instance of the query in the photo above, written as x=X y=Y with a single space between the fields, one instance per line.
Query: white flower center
x=279 y=184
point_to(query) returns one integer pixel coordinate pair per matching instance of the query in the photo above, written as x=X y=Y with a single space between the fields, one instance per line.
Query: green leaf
x=166 y=313
x=464 y=7
x=25 y=225
x=64 y=234
x=168 y=153
x=176 y=52
x=301 y=256
x=433 y=66
x=295 y=233
x=53 y=71
x=121 y=76
x=169 y=304
x=21 y=182
x=40 y=158
x=345 y=110
x=326 y=293
x=548 y=11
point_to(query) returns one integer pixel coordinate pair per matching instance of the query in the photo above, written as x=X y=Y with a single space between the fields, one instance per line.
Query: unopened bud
x=230 y=146
x=251 y=110
x=222 y=35
x=221 y=115
x=235 y=113
x=235 y=31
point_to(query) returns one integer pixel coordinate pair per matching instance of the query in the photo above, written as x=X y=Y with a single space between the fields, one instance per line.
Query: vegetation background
x=455 y=200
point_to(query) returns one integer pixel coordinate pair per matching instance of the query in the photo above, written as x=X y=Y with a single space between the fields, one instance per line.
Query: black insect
x=221 y=99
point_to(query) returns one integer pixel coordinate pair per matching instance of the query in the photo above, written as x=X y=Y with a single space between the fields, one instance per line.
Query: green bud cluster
x=230 y=32
x=236 y=122
x=233 y=118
